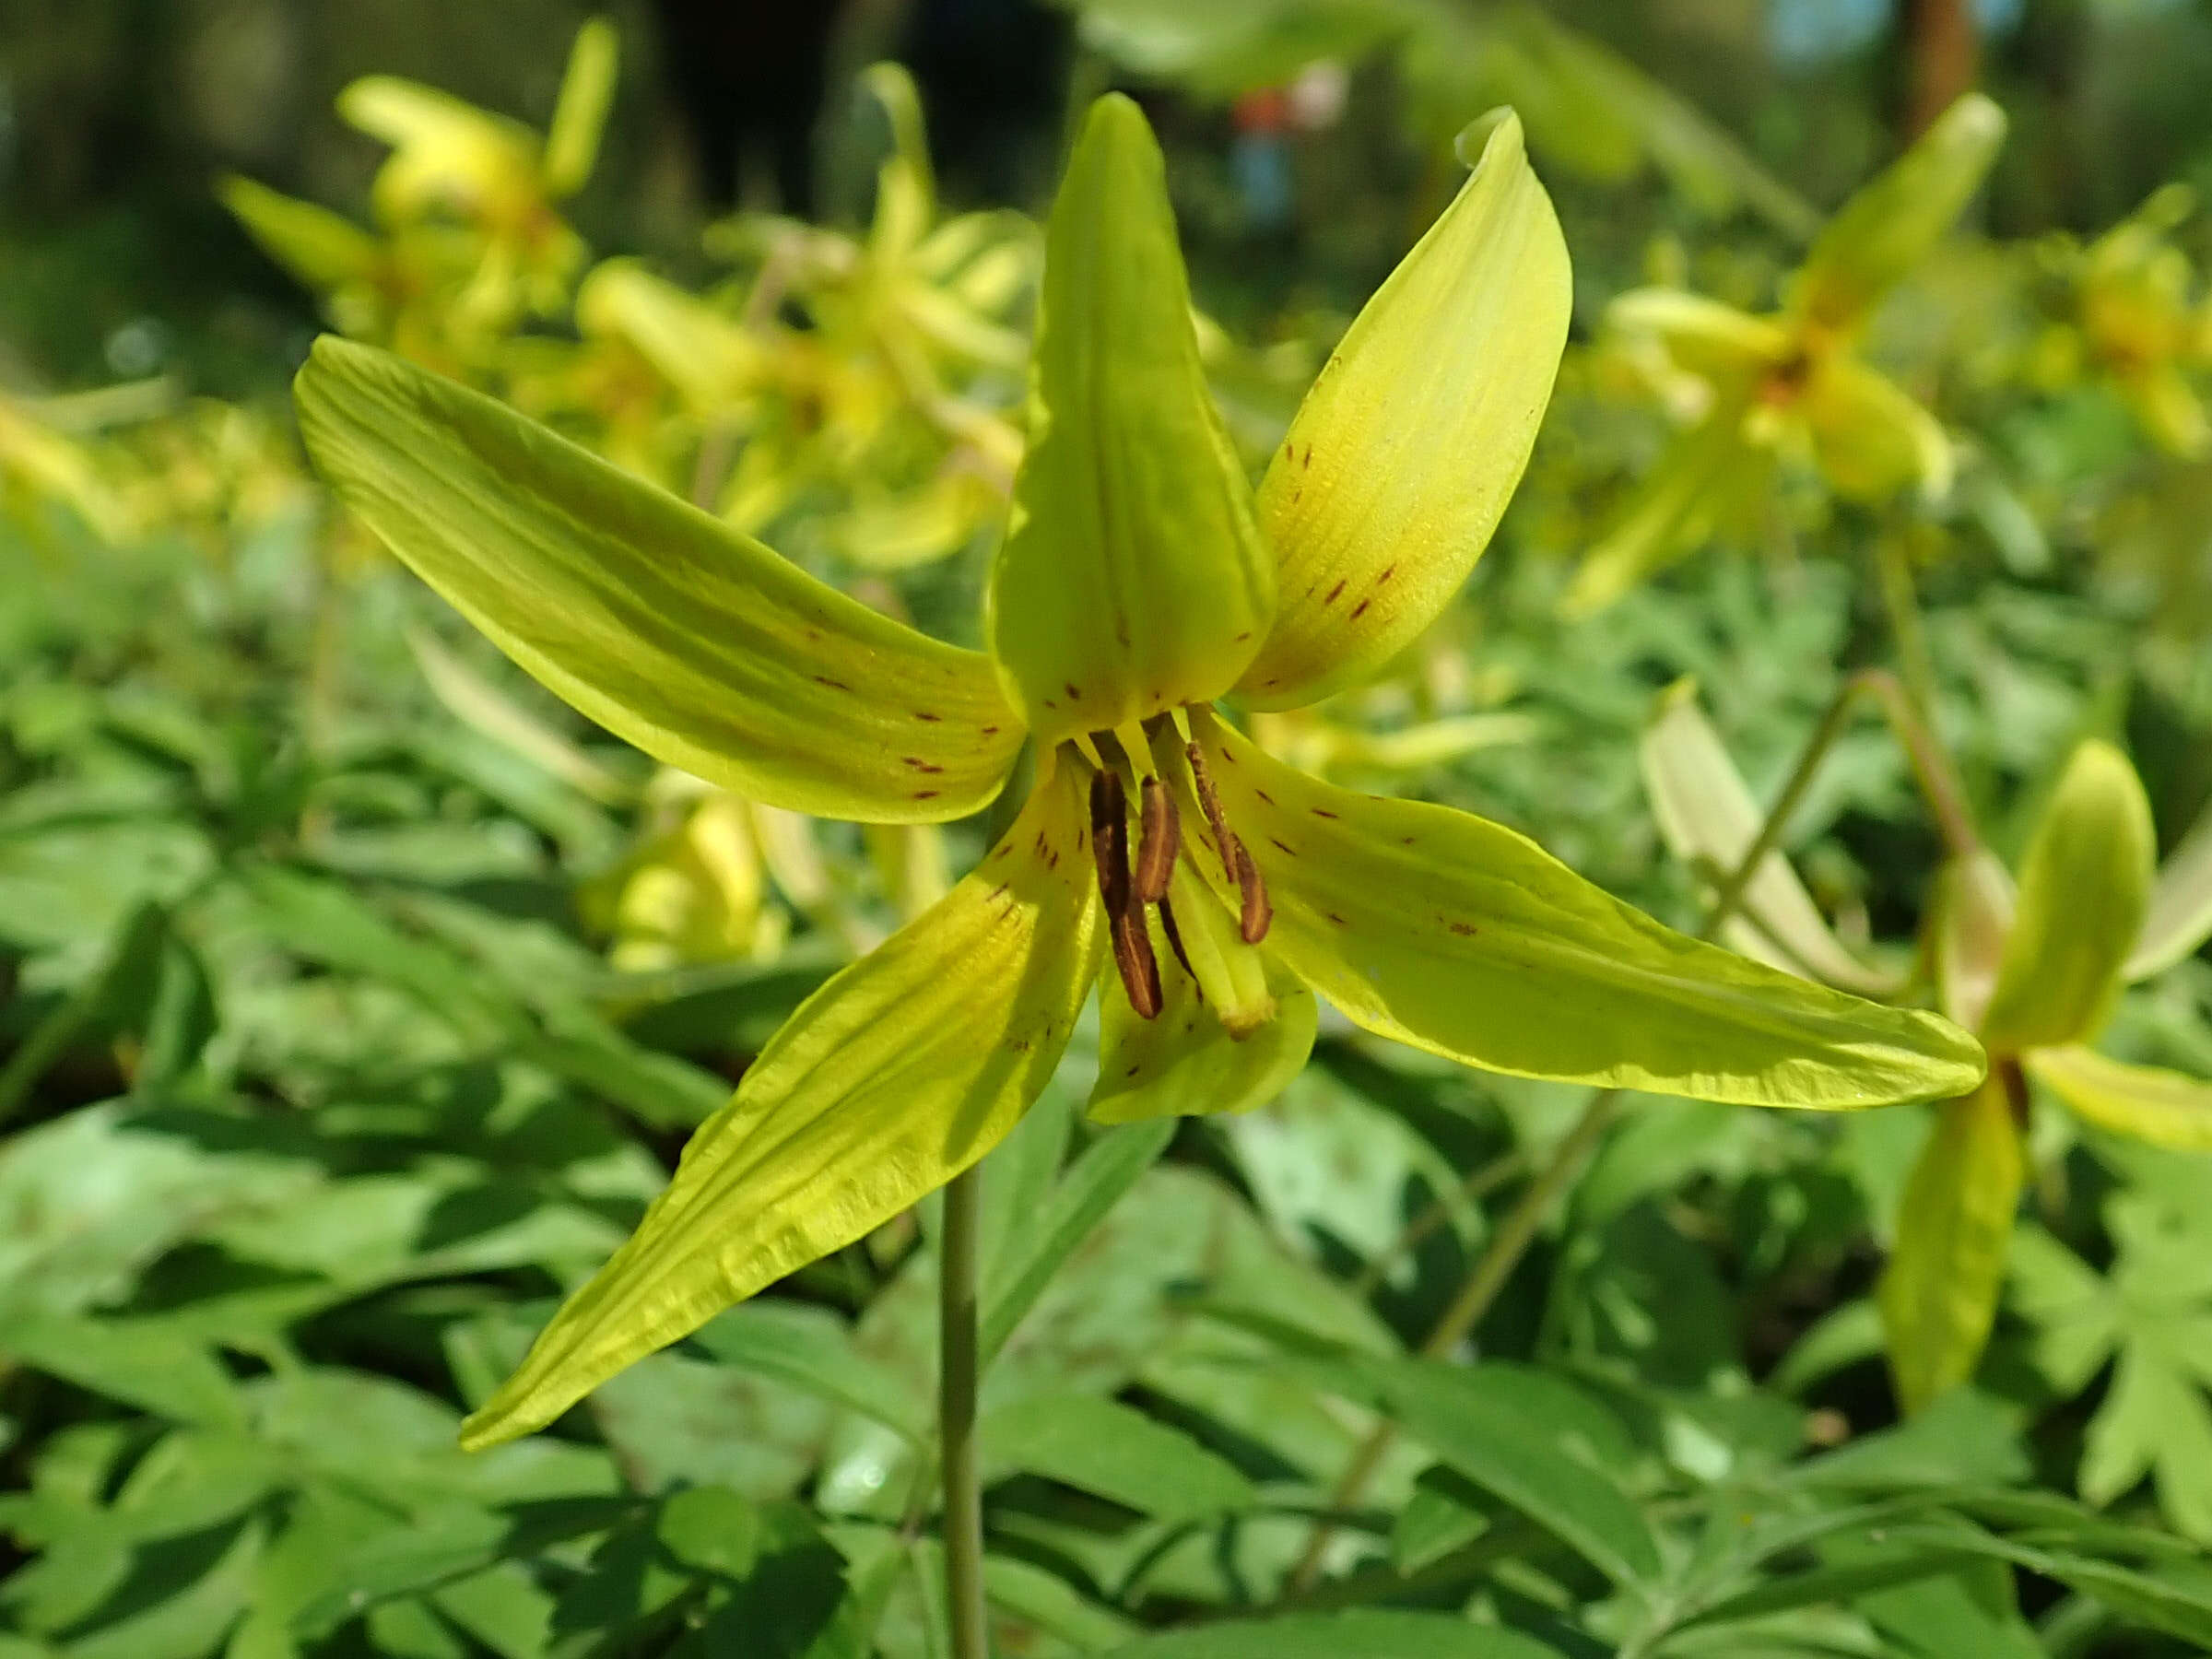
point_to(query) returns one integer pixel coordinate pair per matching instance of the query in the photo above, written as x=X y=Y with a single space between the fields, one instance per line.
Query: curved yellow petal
x=1131 y=579
x=2145 y=1102
x=671 y=630
x=1713 y=341
x=2085 y=884
x=1405 y=452
x=1870 y=436
x=1894 y=219
x=892 y=1079
x=2179 y=918
x=1456 y=936
x=1938 y=1294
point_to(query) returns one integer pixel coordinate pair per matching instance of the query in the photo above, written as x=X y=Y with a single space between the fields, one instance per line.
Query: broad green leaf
x=1512 y=1442
x=1444 y=931
x=1716 y=342
x=2084 y=884
x=587 y=92
x=892 y=1079
x=1973 y=1608
x=1131 y=579
x=136 y=1360
x=1035 y=1249
x=808 y=1350
x=2157 y=1422
x=1184 y=1063
x=1871 y=437
x=1361 y=1635
x=1938 y=1294
x=1682 y=501
x=1408 y=446
x=2147 y=1102
x=2178 y=916
x=698 y=644
x=1708 y=818
x=1890 y=224
x=1116 y=1452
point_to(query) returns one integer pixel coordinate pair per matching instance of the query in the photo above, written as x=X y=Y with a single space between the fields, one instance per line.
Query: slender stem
x=958 y=1374
x=1478 y=1181
x=1932 y=768
x=1901 y=601
x=1518 y=1230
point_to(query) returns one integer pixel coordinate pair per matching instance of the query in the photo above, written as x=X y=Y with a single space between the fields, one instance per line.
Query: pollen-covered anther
x=1132 y=940
x=1161 y=839
x=1254 y=911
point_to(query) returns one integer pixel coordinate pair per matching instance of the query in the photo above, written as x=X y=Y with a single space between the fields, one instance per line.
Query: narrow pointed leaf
x=1871 y=437
x=2084 y=885
x=1184 y=1063
x=1366 y=1634
x=1133 y=579
x=1939 y=1295
x=2146 y=1103
x=1505 y=1440
x=1459 y=936
x=1889 y=226
x=694 y=643
x=892 y=1079
x=1405 y=452
x=1031 y=1254
x=1102 y=1446
x=1708 y=820
x=2178 y=916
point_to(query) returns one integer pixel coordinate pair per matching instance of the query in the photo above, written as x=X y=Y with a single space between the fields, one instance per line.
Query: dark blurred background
x=117 y=115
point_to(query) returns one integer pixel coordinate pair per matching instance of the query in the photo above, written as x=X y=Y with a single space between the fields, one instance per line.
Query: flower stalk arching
x=1518 y=1230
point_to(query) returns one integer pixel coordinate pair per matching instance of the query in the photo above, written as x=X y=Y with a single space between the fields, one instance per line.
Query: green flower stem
x=1527 y=1218
x=959 y=1372
x=1900 y=602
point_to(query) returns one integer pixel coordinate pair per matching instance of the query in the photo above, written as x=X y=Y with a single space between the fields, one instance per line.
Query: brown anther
x=1167 y=926
x=1109 y=842
x=1255 y=912
x=1139 y=968
x=1224 y=837
x=1161 y=839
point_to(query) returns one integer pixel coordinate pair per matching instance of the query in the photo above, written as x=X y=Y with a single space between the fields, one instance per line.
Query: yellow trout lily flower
x=1140 y=580
x=1792 y=385
x=2035 y=977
